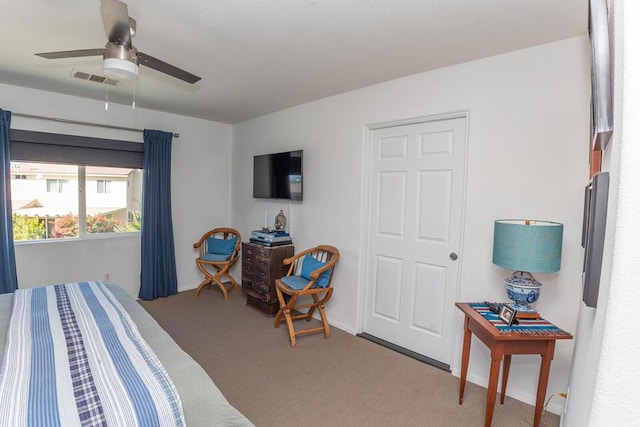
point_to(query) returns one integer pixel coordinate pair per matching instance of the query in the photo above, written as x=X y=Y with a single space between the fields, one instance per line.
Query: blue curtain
x=158 y=273
x=8 y=277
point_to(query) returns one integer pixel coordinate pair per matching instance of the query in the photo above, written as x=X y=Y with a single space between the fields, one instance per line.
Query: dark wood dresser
x=261 y=266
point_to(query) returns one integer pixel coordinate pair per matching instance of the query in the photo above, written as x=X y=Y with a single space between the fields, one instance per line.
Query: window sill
x=89 y=237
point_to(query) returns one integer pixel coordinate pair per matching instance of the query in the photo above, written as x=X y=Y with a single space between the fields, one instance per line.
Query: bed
x=202 y=402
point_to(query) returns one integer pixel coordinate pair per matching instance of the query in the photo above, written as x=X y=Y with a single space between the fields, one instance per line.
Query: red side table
x=530 y=336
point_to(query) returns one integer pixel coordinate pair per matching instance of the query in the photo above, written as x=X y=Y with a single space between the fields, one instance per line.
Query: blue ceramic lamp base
x=523 y=289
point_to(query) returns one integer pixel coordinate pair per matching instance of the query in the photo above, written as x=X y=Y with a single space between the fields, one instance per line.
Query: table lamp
x=526 y=246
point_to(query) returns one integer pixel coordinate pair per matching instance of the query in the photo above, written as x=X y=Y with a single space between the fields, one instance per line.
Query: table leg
x=496 y=357
x=466 y=347
x=545 y=367
x=506 y=365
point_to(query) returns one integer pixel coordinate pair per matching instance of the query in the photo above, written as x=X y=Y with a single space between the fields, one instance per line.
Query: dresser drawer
x=260 y=291
x=255 y=262
x=253 y=250
x=261 y=266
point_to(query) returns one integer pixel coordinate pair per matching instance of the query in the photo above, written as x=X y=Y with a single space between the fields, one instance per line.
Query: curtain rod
x=78 y=122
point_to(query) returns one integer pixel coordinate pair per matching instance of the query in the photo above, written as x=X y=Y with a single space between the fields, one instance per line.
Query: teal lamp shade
x=527 y=245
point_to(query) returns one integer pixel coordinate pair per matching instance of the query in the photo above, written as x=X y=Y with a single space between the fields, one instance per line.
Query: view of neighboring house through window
x=61 y=201
x=104 y=186
x=56 y=185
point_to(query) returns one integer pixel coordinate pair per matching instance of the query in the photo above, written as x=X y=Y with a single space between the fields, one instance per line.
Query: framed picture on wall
x=601 y=78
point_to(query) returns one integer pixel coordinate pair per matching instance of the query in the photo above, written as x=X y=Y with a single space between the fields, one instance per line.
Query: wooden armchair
x=219 y=251
x=310 y=273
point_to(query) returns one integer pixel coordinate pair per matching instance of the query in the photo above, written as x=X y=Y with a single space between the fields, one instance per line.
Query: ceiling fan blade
x=71 y=53
x=115 y=16
x=163 y=67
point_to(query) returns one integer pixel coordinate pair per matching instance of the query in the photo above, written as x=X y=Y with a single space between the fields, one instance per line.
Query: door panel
x=387 y=293
x=392 y=198
x=417 y=189
x=429 y=298
x=434 y=215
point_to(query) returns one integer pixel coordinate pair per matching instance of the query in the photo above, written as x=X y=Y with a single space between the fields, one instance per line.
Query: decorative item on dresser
x=261 y=266
x=281 y=221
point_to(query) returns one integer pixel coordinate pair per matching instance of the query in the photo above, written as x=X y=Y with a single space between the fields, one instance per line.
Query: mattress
x=203 y=403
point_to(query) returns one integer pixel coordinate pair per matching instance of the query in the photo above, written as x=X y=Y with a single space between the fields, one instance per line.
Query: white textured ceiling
x=260 y=56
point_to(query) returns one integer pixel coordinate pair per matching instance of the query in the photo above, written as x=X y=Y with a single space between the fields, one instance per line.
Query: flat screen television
x=594 y=222
x=278 y=176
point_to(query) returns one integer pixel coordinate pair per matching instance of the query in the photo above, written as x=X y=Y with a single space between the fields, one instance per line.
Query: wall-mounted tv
x=278 y=176
x=594 y=222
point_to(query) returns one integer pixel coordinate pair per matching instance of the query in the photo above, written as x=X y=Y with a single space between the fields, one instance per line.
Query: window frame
x=80 y=151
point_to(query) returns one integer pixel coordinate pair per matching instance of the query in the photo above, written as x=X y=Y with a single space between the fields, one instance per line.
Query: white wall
x=201 y=181
x=605 y=374
x=528 y=158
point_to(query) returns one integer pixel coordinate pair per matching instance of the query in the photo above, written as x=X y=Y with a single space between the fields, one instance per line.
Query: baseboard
x=555 y=406
x=406 y=352
x=339 y=325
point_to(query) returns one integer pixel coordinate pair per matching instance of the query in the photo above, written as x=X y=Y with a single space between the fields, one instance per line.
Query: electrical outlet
x=107 y=277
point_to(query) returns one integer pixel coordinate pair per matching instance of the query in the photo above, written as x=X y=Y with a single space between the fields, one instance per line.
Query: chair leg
x=231 y=279
x=312 y=309
x=292 y=332
x=217 y=281
x=285 y=311
x=325 y=322
x=286 y=308
x=280 y=313
x=278 y=319
x=203 y=284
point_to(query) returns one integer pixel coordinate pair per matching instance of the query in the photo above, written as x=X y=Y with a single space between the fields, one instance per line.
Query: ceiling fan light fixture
x=120 y=69
x=120 y=62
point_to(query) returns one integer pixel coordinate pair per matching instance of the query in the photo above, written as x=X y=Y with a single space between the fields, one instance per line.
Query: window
x=108 y=206
x=56 y=185
x=66 y=186
x=104 y=186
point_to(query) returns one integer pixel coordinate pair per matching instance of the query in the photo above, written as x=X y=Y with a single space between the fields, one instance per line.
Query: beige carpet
x=341 y=381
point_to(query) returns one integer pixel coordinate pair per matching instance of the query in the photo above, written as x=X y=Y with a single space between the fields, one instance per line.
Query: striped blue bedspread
x=74 y=357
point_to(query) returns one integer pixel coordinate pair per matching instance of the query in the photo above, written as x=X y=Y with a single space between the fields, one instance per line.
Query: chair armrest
x=199 y=243
x=328 y=265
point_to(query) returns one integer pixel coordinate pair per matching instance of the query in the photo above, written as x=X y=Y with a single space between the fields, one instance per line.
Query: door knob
x=453 y=256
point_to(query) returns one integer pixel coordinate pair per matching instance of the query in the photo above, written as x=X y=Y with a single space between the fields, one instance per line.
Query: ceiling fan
x=120 y=58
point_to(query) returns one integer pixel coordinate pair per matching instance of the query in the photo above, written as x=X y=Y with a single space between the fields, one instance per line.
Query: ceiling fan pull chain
x=133 y=105
x=106 y=99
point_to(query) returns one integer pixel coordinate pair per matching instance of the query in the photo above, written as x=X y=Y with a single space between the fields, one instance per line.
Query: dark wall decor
x=596 y=197
x=601 y=78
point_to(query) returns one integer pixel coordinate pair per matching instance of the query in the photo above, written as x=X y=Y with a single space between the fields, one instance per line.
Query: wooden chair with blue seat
x=219 y=251
x=309 y=275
